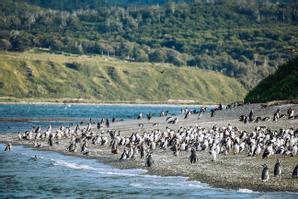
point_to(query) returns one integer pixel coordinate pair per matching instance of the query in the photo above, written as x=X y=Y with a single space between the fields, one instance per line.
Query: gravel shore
x=229 y=171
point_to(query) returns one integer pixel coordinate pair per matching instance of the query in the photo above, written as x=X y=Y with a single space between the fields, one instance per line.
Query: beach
x=229 y=171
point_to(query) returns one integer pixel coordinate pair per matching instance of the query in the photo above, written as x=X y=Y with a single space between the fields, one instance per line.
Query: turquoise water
x=54 y=175
x=57 y=115
x=58 y=176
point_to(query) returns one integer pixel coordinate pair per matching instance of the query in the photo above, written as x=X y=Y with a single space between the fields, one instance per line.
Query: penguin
x=20 y=136
x=266 y=153
x=295 y=172
x=276 y=115
x=84 y=148
x=155 y=124
x=34 y=158
x=176 y=150
x=213 y=153
x=250 y=116
x=51 y=140
x=257 y=150
x=187 y=115
x=124 y=155
x=294 y=150
x=8 y=147
x=142 y=151
x=220 y=107
x=98 y=125
x=149 y=161
x=140 y=116
x=193 y=156
x=149 y=116
x=114 y=148
x=212 y=112
x=72 y=147
x=162 y=114
x=258 y=119
x=172 y=120
x=38 y=129
x=277 y=168
x=265 y=119
x=265 y=173
x=141 y=125
x=107 y=123
x=245 y=119
x=290 y=113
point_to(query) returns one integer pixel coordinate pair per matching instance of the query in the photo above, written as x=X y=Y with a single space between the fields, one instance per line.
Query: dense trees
x=281 y=85
x=244 y=39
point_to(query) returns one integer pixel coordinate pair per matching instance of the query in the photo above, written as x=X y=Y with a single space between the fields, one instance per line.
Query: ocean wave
x=246 y=191
x=107 y=171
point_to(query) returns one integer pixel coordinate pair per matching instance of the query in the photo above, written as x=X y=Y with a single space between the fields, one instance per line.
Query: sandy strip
x=229 y=171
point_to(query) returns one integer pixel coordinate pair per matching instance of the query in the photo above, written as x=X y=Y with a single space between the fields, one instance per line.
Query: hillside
x=104 y=79
x=244 y=39
x=282 y=85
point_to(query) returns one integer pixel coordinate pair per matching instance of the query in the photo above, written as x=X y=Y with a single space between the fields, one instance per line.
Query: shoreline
x=229 y=171
x=66 y=101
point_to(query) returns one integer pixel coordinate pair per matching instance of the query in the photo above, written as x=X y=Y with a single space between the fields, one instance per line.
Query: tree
x=157 y=56
x=174 y=58
x=5 y=44
x=140 y=55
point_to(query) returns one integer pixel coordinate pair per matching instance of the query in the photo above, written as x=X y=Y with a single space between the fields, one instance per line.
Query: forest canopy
x=243 y=39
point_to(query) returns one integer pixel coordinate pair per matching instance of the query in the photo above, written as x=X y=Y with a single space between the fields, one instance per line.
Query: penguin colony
x=218 y=141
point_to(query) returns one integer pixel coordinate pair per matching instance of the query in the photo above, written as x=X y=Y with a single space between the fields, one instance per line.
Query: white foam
x=107 y=171
x=197 y=184
x=245 y=191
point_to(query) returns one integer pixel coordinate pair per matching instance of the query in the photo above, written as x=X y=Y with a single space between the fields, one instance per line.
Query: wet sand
x=229 y=171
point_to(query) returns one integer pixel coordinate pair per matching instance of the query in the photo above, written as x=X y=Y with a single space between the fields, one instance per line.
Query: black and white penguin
x=149 y=116
x=245 y=119
x=250 y=116
x=51 y=140
x=276 y=115
x=140 y=116
x=84 y=147
x=295 y=172
x=265 y=119
x=290 y=113
x=149 y=161
x=265 y=173
x=212 y=112
x=72 y=147
x=277 y=168
x=124 y=155
x=193 y=156
x=107 y=123
x=34 y=158
x=98 y=125
x=188 y=113
x=141 y=125
x=268 y=151
x=142 y=151
x=8 y=147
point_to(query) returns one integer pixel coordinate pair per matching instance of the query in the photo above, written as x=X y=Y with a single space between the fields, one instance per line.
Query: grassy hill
x=282 y=85
x=244 y=39
x=102 y=79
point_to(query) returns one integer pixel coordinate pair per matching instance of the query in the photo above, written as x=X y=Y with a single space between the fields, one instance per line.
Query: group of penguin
x=276 y=172
x=276 y=116
x=218 y=141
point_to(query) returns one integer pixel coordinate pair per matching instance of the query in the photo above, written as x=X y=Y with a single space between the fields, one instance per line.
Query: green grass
x=52 y=77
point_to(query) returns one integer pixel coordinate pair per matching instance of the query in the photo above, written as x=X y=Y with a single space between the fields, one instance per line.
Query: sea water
x=53 y=175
